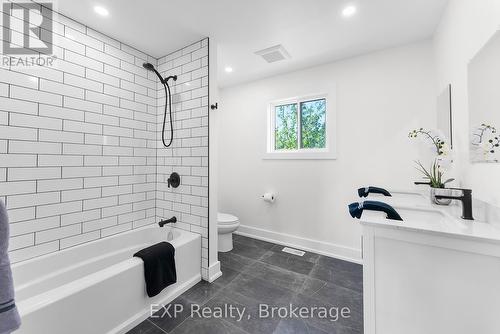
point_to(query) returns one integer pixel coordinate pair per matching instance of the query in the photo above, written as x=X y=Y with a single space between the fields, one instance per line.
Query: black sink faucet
x=466 y=200
x=422 y=183
x=168 y=221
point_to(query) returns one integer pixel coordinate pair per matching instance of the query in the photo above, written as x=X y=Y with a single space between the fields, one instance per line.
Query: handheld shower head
x=168 y=102
x=150 y=67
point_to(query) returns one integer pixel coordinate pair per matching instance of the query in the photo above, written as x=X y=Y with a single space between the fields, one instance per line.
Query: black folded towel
x=159 y=267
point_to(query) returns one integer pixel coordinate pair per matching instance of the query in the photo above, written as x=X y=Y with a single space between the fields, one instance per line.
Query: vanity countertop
x=434 y=219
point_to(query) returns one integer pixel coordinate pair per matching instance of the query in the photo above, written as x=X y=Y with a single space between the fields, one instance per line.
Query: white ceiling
x=313 y=31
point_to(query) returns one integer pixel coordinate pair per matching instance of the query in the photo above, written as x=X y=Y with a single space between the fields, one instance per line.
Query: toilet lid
x=226 y=218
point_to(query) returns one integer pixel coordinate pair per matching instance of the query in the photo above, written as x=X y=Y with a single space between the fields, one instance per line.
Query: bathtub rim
x=15 y=265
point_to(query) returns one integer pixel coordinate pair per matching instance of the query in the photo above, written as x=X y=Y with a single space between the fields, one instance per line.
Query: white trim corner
x=214 y=272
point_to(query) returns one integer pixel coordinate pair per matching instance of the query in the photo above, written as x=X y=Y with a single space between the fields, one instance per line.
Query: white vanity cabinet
x=430 y=274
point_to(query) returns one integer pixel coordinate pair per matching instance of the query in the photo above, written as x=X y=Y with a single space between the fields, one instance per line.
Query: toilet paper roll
x=268 y=197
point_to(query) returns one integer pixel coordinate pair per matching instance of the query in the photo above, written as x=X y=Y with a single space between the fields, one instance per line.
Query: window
x=300 y=129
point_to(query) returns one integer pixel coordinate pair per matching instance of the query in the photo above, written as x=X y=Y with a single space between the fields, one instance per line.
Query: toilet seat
x=226 y=219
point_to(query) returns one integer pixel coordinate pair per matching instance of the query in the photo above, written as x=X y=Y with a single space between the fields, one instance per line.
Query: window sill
x=299 y=156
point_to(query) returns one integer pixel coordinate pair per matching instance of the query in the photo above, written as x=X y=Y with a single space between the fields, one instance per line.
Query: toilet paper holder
x=269 y=197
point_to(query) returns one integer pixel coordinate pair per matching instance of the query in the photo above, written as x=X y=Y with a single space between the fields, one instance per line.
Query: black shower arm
x=174 y=77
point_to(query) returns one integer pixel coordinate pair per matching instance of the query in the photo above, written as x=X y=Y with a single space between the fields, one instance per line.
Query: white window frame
x=329 y=152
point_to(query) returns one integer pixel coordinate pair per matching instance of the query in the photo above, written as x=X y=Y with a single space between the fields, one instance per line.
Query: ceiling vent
x=274 y=54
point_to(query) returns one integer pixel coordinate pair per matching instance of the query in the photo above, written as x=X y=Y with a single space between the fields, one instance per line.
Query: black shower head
x=150 y=67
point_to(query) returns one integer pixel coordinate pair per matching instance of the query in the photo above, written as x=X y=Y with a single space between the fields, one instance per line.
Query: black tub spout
x=168 y=221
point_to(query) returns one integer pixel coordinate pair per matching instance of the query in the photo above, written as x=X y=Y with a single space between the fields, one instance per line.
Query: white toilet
x=226 y=225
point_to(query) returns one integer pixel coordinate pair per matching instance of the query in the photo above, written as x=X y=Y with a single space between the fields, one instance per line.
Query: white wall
x=466 y=26
x=380 y=97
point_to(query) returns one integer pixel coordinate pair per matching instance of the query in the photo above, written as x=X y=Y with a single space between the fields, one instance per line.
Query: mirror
x=444 y=119
x=484 y=102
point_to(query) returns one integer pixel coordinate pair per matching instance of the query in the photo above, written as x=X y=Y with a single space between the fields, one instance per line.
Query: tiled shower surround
x=80 y=144
x=188 y=154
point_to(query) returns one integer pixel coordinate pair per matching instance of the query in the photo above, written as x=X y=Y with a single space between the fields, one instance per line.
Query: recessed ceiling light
x=228 y=69
x=349 y=11
x=101 y=11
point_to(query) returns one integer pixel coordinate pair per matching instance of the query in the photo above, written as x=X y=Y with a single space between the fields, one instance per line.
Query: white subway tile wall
x=80 y=144
x=188 y=154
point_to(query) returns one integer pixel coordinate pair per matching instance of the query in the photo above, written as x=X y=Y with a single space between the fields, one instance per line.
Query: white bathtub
x=98 y=287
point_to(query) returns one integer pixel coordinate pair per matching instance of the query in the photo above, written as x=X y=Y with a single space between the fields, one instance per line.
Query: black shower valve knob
x=174 y=180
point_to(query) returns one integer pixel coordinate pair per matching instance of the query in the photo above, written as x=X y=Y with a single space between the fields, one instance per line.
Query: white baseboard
x=314 y=246
x=214 y=272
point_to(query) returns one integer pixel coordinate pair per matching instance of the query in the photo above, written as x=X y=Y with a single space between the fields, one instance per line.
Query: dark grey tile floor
x=257 y=272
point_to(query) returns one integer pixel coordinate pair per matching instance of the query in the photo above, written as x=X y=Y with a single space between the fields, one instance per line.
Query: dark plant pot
x=440 y=191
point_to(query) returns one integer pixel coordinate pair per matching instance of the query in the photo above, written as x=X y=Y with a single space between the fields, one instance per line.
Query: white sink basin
x=400 y=198
x=410 y=215
x=421 y=215
x=419 y=218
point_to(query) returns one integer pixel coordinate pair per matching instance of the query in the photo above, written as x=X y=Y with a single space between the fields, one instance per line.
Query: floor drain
x=293 y=251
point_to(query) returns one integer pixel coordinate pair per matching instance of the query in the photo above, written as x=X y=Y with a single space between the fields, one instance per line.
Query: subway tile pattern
x=188 y=154
x=79 y=143
x=75 y=162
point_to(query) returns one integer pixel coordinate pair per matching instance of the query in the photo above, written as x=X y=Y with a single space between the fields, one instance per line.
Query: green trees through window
x=310 y=134
x=313 y=122
x=286 y=127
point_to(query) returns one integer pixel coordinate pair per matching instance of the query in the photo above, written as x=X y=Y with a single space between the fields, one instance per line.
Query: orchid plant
x=433 y=175
x=434 y=139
